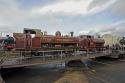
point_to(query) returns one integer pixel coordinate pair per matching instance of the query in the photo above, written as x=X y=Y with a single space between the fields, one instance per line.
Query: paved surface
x=73 y=77
x=99 y=73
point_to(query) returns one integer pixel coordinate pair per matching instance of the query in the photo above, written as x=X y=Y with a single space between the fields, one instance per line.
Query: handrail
x=3 y=56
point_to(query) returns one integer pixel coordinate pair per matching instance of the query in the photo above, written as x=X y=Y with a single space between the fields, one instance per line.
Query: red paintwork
x=36 y=42
x=20 y=43
x=83 y=42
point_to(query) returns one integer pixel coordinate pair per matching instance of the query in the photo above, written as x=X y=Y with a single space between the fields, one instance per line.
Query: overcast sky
x=80 y=16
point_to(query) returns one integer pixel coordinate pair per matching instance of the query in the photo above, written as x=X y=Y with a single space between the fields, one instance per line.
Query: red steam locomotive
x=25 y=41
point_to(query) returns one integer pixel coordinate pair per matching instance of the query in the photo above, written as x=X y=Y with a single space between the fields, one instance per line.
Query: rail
x=29 y=58
x=3 y=56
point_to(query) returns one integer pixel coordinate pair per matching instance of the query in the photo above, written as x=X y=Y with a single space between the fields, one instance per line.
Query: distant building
x=110 y=39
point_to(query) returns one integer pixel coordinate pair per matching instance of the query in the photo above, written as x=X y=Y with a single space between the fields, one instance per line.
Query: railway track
x=92 y=74
x=116 y=67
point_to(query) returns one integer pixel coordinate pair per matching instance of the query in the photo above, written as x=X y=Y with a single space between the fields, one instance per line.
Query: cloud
x=73 y=7
x=14 y=18
x=5 y=28
x=118 y=8
x=116 y=28
x=11 y=15
x=69 y=7
x=100 y=3
x=9 y=11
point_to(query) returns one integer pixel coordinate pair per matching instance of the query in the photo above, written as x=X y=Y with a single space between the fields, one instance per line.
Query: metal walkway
x=22 y=61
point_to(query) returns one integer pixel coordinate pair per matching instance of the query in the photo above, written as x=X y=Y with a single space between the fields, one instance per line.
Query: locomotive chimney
x=124 y=38
x=71 y=33
x=45 y=33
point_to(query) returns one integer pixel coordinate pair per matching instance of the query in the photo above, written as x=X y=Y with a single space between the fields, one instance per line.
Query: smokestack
x=124 y=38
x=45 y=33
x=72 y=34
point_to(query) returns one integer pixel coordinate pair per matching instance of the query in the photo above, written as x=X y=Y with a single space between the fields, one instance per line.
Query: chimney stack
x=72 y=34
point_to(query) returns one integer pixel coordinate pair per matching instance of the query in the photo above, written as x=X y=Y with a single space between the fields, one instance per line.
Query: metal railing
x=27 y=57
x=3 y=56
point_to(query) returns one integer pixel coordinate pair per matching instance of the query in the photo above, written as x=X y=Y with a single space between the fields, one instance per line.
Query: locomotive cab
x=33 y=38
x=30 y=39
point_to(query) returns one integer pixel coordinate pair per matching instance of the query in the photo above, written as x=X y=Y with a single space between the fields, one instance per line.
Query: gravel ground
x=110 y=72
